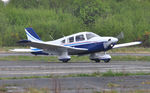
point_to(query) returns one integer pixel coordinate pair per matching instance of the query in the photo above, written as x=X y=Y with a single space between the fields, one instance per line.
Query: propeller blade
x=121 y=35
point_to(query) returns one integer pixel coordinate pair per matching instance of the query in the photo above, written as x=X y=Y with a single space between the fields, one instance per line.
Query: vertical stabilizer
x=31 y=35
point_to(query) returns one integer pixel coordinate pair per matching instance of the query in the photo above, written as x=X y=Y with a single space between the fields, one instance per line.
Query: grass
x=26 y=77
x=28 y=58
x=33 y=90
x=95 y=74
x=106 y=74
x=46 y=90
x=128 y=91
x=130 y=58
x=73 y=58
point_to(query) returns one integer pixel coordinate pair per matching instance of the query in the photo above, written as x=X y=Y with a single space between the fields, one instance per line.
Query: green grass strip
x=73 y=58
x=95 y=74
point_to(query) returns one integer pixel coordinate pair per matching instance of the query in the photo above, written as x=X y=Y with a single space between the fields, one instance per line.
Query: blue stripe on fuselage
x=79 y=43
x=36 y=49
x=91 y=46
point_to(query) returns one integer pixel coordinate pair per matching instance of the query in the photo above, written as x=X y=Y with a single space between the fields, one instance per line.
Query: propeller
x=110 y=43
x=120 y=36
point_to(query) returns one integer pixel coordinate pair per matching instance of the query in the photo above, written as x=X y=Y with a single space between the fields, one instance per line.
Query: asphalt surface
x=80 y=84
x=30 y=68
x=73 y=84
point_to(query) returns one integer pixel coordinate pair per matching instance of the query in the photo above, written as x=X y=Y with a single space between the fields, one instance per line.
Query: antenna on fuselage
x=63 y=35
x=51 y=37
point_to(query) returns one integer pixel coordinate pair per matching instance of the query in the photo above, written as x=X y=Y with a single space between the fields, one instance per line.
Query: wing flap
x=127 y=44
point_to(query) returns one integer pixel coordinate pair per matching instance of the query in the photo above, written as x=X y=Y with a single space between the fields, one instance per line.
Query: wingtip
x=140 y=42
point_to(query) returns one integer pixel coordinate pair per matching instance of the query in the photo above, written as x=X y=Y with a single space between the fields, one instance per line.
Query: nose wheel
x=107 y=60
x=96 y=60
x=64 y=60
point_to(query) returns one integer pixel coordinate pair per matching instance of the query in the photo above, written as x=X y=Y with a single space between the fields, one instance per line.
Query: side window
x=63 y=41
x=89 y=36
x=80 y=38
x=71 y=39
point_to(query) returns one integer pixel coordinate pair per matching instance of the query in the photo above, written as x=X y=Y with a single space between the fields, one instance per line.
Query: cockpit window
x=80 y=38
x=63 y=41
x=90 y=35
x=71 y=39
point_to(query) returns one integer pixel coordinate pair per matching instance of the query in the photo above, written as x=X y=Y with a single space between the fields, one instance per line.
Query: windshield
x=90 y=35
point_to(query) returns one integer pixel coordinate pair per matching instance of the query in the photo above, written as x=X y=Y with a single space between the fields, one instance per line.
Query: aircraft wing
x=51 y=47
x=127 y=44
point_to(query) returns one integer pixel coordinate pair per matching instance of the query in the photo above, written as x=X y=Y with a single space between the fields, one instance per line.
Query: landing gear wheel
x=107 y=60
x=65 y=61
x=97 y=60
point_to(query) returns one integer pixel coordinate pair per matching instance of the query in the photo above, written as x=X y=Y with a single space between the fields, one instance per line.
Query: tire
x=65 y=61
x=107 y=60
x=97 y=60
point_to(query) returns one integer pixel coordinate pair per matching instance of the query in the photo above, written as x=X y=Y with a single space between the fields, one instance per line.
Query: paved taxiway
x=28 y=68
x=79 y=84
x=73 y=84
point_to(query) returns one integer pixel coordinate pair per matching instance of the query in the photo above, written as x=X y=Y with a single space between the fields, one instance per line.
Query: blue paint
x=39 y=53
x=32 y=32
x=24 y=41
x=32 y=37
x=36 y=49
x=92 y=47
x=75 y=44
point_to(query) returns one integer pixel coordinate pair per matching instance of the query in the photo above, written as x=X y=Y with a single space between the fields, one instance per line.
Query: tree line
x=64 y=17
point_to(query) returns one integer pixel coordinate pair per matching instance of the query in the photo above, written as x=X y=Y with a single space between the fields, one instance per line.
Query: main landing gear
x=99 y=60
x=97 y=57
x=64 y=60
x=64 y=57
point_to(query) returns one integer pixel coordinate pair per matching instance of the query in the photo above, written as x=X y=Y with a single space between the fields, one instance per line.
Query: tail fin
x=31 y=35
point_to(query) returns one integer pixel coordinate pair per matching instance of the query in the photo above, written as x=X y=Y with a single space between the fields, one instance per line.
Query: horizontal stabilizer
x=22 y=50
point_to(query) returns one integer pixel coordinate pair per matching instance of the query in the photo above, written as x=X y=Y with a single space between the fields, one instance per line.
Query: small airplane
x=82 y=43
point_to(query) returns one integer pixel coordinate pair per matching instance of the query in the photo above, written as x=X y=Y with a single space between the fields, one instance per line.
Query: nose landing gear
x=97 y=57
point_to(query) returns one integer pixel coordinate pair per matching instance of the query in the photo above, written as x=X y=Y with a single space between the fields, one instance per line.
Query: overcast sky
x=5 y=1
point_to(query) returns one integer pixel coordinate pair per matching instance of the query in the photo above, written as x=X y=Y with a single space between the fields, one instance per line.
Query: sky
x=5 y=1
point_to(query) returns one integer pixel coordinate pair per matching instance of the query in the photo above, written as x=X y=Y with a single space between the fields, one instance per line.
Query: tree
x=88 y=10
